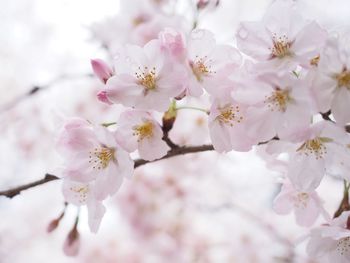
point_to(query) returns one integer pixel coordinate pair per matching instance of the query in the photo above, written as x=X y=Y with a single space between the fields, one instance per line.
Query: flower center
x=80 y=192
x=147 y=78
x=344 y=79
x=100 y=158
x=300 y=200
x=315 y=147
x=281 y=47
x=199 y=68
x=143 y=131
x=278 y=100
x=229 y=115
x=314 y=61
x=343 y=245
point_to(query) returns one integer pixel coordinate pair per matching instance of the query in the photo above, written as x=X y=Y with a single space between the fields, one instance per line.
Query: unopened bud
x=169 y=117
x=101 y=69
x=102 y=96
x=72 y=243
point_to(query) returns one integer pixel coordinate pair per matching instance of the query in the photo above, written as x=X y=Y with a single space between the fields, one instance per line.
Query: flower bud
x=72 y=243
x=101 y=69
x=102 y=96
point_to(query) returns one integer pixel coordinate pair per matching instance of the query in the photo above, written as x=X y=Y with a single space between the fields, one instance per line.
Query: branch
x=36 y=89
x=17 y=190
x=138 y=162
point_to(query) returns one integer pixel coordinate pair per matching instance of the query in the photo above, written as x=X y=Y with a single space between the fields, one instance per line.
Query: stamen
x=229 y=115
x=100 y=158
x=315 y=147
x=343 y=79
x=200 y=68
x=147 y=78
x=343 y=245
x=278 y=100
x=143 y=131
x=300 y=200
x=80 y=192
x=281 y=47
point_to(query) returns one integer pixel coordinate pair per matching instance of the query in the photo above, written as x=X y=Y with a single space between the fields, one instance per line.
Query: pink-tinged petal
x=220 y=137
x=323 y=89
x=152 y=149
x=101 y=69
x=262 y=123
x=125 y=165
x=123 y=89
x=200 y=44
x=296 y=117
x=330 y=61
x=173 y=41
x=254 y=40
x=108 y=183
x=318 y=246
x=75 y=192
x=102 y=96
x=341 y=106
x=96 y=211
x=305 y=171
x=308 y=42
x=155 y=58
x=282 y=204
x=307 y=215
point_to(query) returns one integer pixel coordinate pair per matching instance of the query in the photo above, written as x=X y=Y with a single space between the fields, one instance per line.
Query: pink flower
x=227 y=126
x=139 y=130
x=81 y=194
x=143 y=78
x=307 y=206
x=101 y=69
x=209 y=64
x=102 y=96
x=173 y=42
x=331 y=242
x=332 y=82
x=279 y=105
x=92 y=154
x=282 y=39
x=322 y=148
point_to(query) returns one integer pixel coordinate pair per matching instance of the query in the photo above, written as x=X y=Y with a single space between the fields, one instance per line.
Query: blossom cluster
x=284 y=85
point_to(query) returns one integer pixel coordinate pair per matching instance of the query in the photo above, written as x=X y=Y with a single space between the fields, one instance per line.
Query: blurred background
x=198 y=208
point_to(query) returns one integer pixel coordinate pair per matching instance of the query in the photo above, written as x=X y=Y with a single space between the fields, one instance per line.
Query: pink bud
x=53 y=225
x=72 y=243
x=101 y=69
x=102 y=96
x=173 y=41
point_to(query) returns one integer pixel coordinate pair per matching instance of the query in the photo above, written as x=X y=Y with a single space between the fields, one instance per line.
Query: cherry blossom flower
x=143 y=79
x=139 y=130
x=307 y=206
x=279 y=105
x=101 y=69
x=81 y=194
x=283 y=39
x=209 y=64
x=320 y=149
x=332 y=81
x=227 y=126
x=92 y=154
x=331 y=242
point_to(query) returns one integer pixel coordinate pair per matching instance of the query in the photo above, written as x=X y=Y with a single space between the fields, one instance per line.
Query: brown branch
x=17 y=190
x=138 y=162
x=36 y=89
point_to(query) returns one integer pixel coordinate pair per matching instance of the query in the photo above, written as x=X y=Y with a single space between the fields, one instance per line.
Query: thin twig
x=36 y=89
x=138 y=162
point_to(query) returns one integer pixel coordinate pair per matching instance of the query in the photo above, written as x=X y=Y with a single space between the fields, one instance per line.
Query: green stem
x=107 y=124
x=192 y=108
